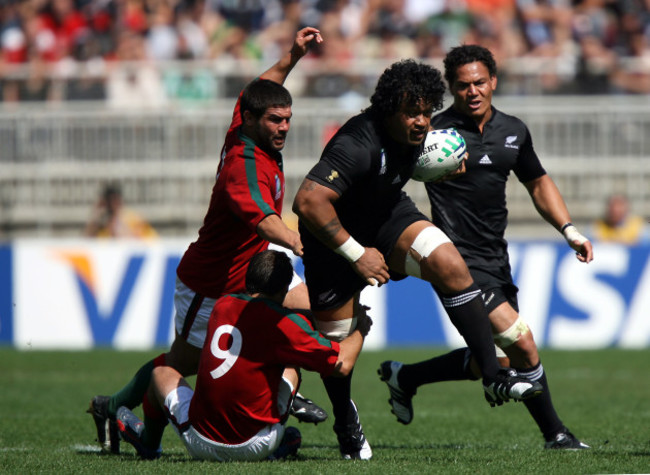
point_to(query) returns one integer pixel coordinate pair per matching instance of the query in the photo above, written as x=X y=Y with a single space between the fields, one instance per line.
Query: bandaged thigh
x=424 y=244
x=511 y=335
x=336 y=330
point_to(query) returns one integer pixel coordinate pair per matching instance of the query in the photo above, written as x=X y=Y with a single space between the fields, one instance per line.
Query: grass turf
x=602 y=396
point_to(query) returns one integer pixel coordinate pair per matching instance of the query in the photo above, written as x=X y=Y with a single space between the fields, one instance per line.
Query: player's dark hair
x=261 y=94
x=465 y=54
x=110 y=190
x=406 y=82
x=269 y=272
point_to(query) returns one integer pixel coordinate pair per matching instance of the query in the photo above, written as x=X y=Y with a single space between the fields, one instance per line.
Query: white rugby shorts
x=258 y=447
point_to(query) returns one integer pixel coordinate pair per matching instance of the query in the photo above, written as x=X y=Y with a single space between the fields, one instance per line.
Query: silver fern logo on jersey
x=510 y=139
x=382 y=170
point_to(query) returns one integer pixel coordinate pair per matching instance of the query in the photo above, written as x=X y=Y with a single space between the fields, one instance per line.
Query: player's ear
x=493 y=82
x=248 y=118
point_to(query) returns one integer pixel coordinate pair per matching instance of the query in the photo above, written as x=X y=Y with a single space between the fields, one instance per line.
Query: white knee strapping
x=512 y=334
x=423 y=245
x=336 y=330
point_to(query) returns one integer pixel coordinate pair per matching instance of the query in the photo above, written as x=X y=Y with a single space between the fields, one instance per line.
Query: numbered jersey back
x=248 y=343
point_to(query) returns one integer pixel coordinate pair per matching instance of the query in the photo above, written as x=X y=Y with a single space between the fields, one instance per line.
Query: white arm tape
x=351 y=250
x=571 y=234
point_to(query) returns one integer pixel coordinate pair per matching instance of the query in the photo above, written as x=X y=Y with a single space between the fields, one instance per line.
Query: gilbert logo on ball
x=442 y=153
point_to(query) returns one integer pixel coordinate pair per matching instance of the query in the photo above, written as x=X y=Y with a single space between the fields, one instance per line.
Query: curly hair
x=407 y=82
x=465 y=54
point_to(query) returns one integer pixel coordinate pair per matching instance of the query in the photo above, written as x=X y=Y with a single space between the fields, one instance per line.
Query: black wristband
x=565 y=226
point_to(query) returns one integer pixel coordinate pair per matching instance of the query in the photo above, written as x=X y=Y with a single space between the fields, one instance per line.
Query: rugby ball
x=443 y=153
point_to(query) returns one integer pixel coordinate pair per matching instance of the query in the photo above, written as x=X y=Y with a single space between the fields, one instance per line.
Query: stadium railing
x=55 y=159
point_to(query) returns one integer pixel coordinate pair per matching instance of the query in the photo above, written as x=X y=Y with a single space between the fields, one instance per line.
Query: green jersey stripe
x=251 y=175
x=291 y=316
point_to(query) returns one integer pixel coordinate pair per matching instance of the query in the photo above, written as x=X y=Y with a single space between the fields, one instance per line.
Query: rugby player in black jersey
x=358 y=227
x=471 y=210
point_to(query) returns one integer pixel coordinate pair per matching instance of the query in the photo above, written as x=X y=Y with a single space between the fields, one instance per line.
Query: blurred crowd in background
x=574 y=46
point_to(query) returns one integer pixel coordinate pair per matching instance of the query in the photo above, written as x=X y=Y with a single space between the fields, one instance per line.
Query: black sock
x=155 y=422
x=451 y=366
x=338 y=390
x=153 y=432
x=468 y=314
x=541 y=407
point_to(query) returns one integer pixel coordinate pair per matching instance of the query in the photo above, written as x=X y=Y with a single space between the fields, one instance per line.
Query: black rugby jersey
x=471 y=209
x=368 y=170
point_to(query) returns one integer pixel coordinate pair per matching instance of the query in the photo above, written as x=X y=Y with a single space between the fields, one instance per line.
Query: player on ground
x=243 y=217
x=243 y=390
x=471 y=210
x=357 y=226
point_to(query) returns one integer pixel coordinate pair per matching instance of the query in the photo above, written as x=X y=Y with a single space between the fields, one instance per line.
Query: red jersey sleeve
x=250 y=191
x=306 y=347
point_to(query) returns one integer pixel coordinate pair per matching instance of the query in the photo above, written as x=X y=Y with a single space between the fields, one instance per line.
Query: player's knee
x=448 y=272
x=161 y=375
x=527 y=349
x=512 y=334
x=517 y=340
x=158 y=372
x=427 y=241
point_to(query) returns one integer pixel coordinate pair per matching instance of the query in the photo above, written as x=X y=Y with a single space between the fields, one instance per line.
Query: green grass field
x=603 y=396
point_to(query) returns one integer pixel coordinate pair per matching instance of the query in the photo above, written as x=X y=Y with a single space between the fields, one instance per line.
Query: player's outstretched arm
x=280 y=70
x=314 y=204
x=274 y=230
x=551 y=206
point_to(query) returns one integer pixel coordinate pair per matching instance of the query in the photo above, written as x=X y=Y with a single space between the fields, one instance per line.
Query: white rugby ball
x=443 y=153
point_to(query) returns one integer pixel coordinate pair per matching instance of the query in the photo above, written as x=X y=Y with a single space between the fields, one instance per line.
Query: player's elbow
x=302 y=204
x=297 y=204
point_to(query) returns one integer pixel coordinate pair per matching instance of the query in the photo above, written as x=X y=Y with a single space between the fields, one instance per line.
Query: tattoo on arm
x=327 y=232
x=307 y=185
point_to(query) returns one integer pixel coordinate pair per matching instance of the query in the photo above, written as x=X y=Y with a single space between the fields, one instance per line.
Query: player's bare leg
x=303 y=409
x=336 y=324
x=297 y=298
x=183 y=356
x=516 y=340
x=425 y=252
x=435 y=259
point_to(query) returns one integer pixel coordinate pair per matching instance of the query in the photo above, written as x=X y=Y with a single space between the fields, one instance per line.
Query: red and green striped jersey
x=248 y=344
x=249 y=186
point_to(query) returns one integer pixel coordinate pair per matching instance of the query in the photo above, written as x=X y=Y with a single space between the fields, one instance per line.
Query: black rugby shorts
x=330 y=278
x=495 y=289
